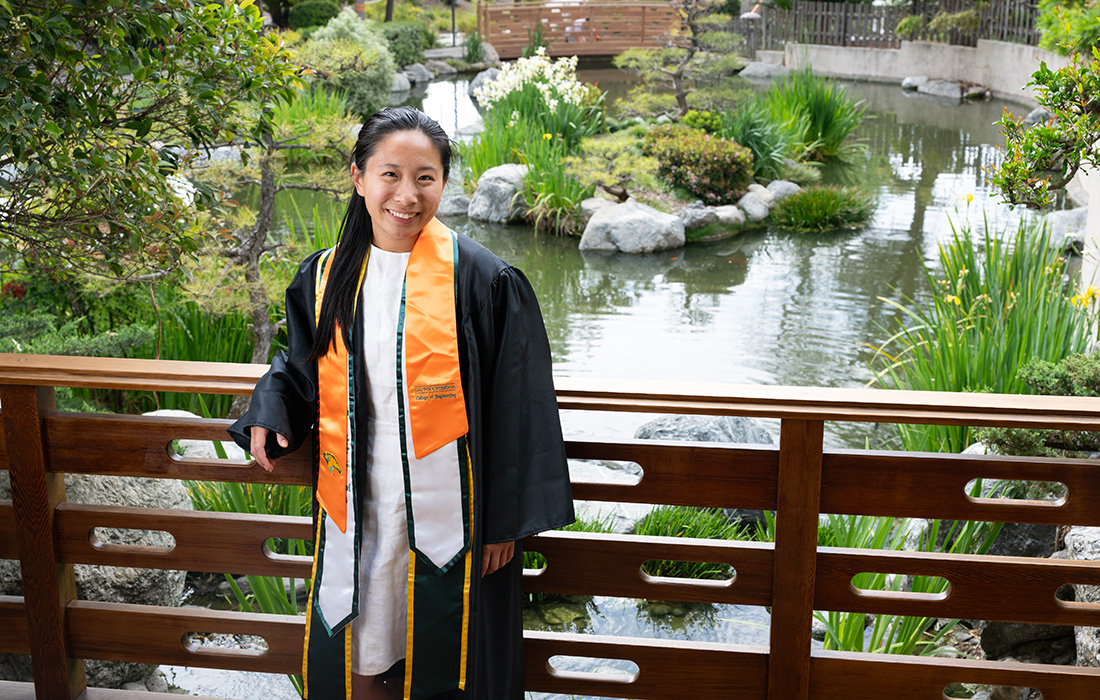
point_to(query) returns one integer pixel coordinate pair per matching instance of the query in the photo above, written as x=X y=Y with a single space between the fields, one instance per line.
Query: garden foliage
x=347 y=56
x=537 y=112
x=1042 y=159
x=311 y=13
x=104 y=103
x=824 y=208
x=684 y=521
x=714 y=169
x=1069 y=26
x=821 y=112
x=407 y=41
x=773 y=142
x=997 y=302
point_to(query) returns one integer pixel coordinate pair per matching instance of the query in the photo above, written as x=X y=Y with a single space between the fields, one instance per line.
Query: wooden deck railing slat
x=139 y=446
x=796 y=518
x=933 y=486
x=666 y=668
x=13 y=620
x=680 y=473
x=9 y=540
x=48 y=584
x=149 y=634
x=580 y=563
x=200 y=541
x=1011 y=589
x=843 y=676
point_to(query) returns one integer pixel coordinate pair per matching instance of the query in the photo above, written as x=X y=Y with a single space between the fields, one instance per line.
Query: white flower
x=555 y=80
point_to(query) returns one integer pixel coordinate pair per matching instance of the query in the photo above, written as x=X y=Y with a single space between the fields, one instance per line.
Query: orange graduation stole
x=439 y=501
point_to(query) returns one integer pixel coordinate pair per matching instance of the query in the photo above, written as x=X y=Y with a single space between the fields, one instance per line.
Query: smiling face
x=401 y=183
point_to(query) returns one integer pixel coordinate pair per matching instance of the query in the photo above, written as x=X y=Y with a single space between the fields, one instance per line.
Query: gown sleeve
x=525 y=476
x=285 y=399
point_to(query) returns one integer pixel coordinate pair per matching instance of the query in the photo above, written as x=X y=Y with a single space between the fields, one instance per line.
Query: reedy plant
x=997 y=302
x=824 y=208
x=684 y=521
x=825 y=115
x=772 y=142
x=553 y=195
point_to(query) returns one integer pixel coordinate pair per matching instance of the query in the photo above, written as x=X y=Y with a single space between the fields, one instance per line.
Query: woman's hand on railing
x=259 y=445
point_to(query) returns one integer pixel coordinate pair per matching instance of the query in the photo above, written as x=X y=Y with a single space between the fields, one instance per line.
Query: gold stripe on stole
x=409 y=627
x=309 y=611
x=468 y=579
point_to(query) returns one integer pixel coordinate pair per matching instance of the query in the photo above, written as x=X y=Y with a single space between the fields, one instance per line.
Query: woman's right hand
x=259 y=444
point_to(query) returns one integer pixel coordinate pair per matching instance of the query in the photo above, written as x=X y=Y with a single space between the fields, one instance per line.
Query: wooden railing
x=576 y=28
x=798 y=480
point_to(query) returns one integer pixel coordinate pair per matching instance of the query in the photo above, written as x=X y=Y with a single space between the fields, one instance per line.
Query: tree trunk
x=263 y=330
x=389 y=10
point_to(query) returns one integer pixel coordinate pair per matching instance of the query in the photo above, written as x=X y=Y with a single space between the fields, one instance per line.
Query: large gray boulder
x=764 y=71
x=763 y=193
x=109 y=583
x=913 y=82
x=1066 y=222
x=486 y=76
x=755 y=208
x=499 y=195
x=1083 y=544
x=489 y=53
x=781 y=189
x=457 y=204
x=632 y=227
x=1037 y=116
x=697 y=215
x=730 y=215
x=417 y=73
x=440 y=69
x=401 y=83
x=947 y=89
x=593 y=204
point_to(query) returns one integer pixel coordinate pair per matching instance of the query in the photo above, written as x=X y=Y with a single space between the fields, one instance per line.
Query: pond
x=768 y=307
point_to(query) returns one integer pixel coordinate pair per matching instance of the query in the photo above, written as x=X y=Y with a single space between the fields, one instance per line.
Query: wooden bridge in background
x=798 y=480
x=576 y=28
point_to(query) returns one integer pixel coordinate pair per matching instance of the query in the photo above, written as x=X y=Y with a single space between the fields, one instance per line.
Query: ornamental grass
x=685 y=521
x=824 y=208
x=997 y=300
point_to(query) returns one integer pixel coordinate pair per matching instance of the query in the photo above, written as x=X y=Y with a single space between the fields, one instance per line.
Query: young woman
x=418 y=367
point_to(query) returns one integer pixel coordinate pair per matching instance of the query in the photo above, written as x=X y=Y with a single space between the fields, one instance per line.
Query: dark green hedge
x=312 y=13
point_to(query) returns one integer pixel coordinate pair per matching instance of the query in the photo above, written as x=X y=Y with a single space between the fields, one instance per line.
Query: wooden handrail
x=645 y=396
x=799 y=479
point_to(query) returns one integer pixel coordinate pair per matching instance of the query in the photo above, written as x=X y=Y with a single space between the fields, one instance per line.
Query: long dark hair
x=356 y=230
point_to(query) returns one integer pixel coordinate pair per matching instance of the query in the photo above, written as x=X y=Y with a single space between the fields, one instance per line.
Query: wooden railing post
x=48 y=585
x=796 y=520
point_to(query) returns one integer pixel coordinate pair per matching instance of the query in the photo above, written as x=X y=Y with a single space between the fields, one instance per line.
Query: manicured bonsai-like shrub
x=312 y=13
x=407 y=41
x=825 y=208
x=362 y=72
x=716 y=170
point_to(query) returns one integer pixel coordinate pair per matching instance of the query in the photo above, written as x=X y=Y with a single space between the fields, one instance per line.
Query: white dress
x=378 y=632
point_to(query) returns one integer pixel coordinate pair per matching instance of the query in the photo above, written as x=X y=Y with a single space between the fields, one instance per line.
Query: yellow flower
x=547 y=136
x=952 y=299
x=969 y=198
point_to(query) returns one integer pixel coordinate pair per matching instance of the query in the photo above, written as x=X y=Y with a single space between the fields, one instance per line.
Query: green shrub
x=772 y=142
x=1076 y=375
x=1068 y=27
x=909 y=27
x=967 y=22
x=362 y=71
x=474 y=52
x=998 y=301
x=614 y=163
x=407 y=41
x=553 y=195
x=315 y=117
x=702 y=120
x=820 y=111
x=716 y=170
x=684 y=521
x=827 y=208
x=312 y=13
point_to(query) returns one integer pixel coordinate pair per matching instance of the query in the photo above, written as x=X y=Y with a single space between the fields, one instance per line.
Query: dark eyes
x=426 y=178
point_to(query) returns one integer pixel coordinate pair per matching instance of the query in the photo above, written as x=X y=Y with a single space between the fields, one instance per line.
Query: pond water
x=768 y=307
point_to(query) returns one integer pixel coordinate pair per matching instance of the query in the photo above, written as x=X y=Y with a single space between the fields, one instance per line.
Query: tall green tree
x=104 y=104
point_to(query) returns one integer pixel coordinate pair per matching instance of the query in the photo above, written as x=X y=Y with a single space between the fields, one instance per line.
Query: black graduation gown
x=521 y=479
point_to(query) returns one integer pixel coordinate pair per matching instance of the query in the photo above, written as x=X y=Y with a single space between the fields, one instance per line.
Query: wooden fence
x=576 y=28
x=873 y=26
x=798 y=480
x=582 y=28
